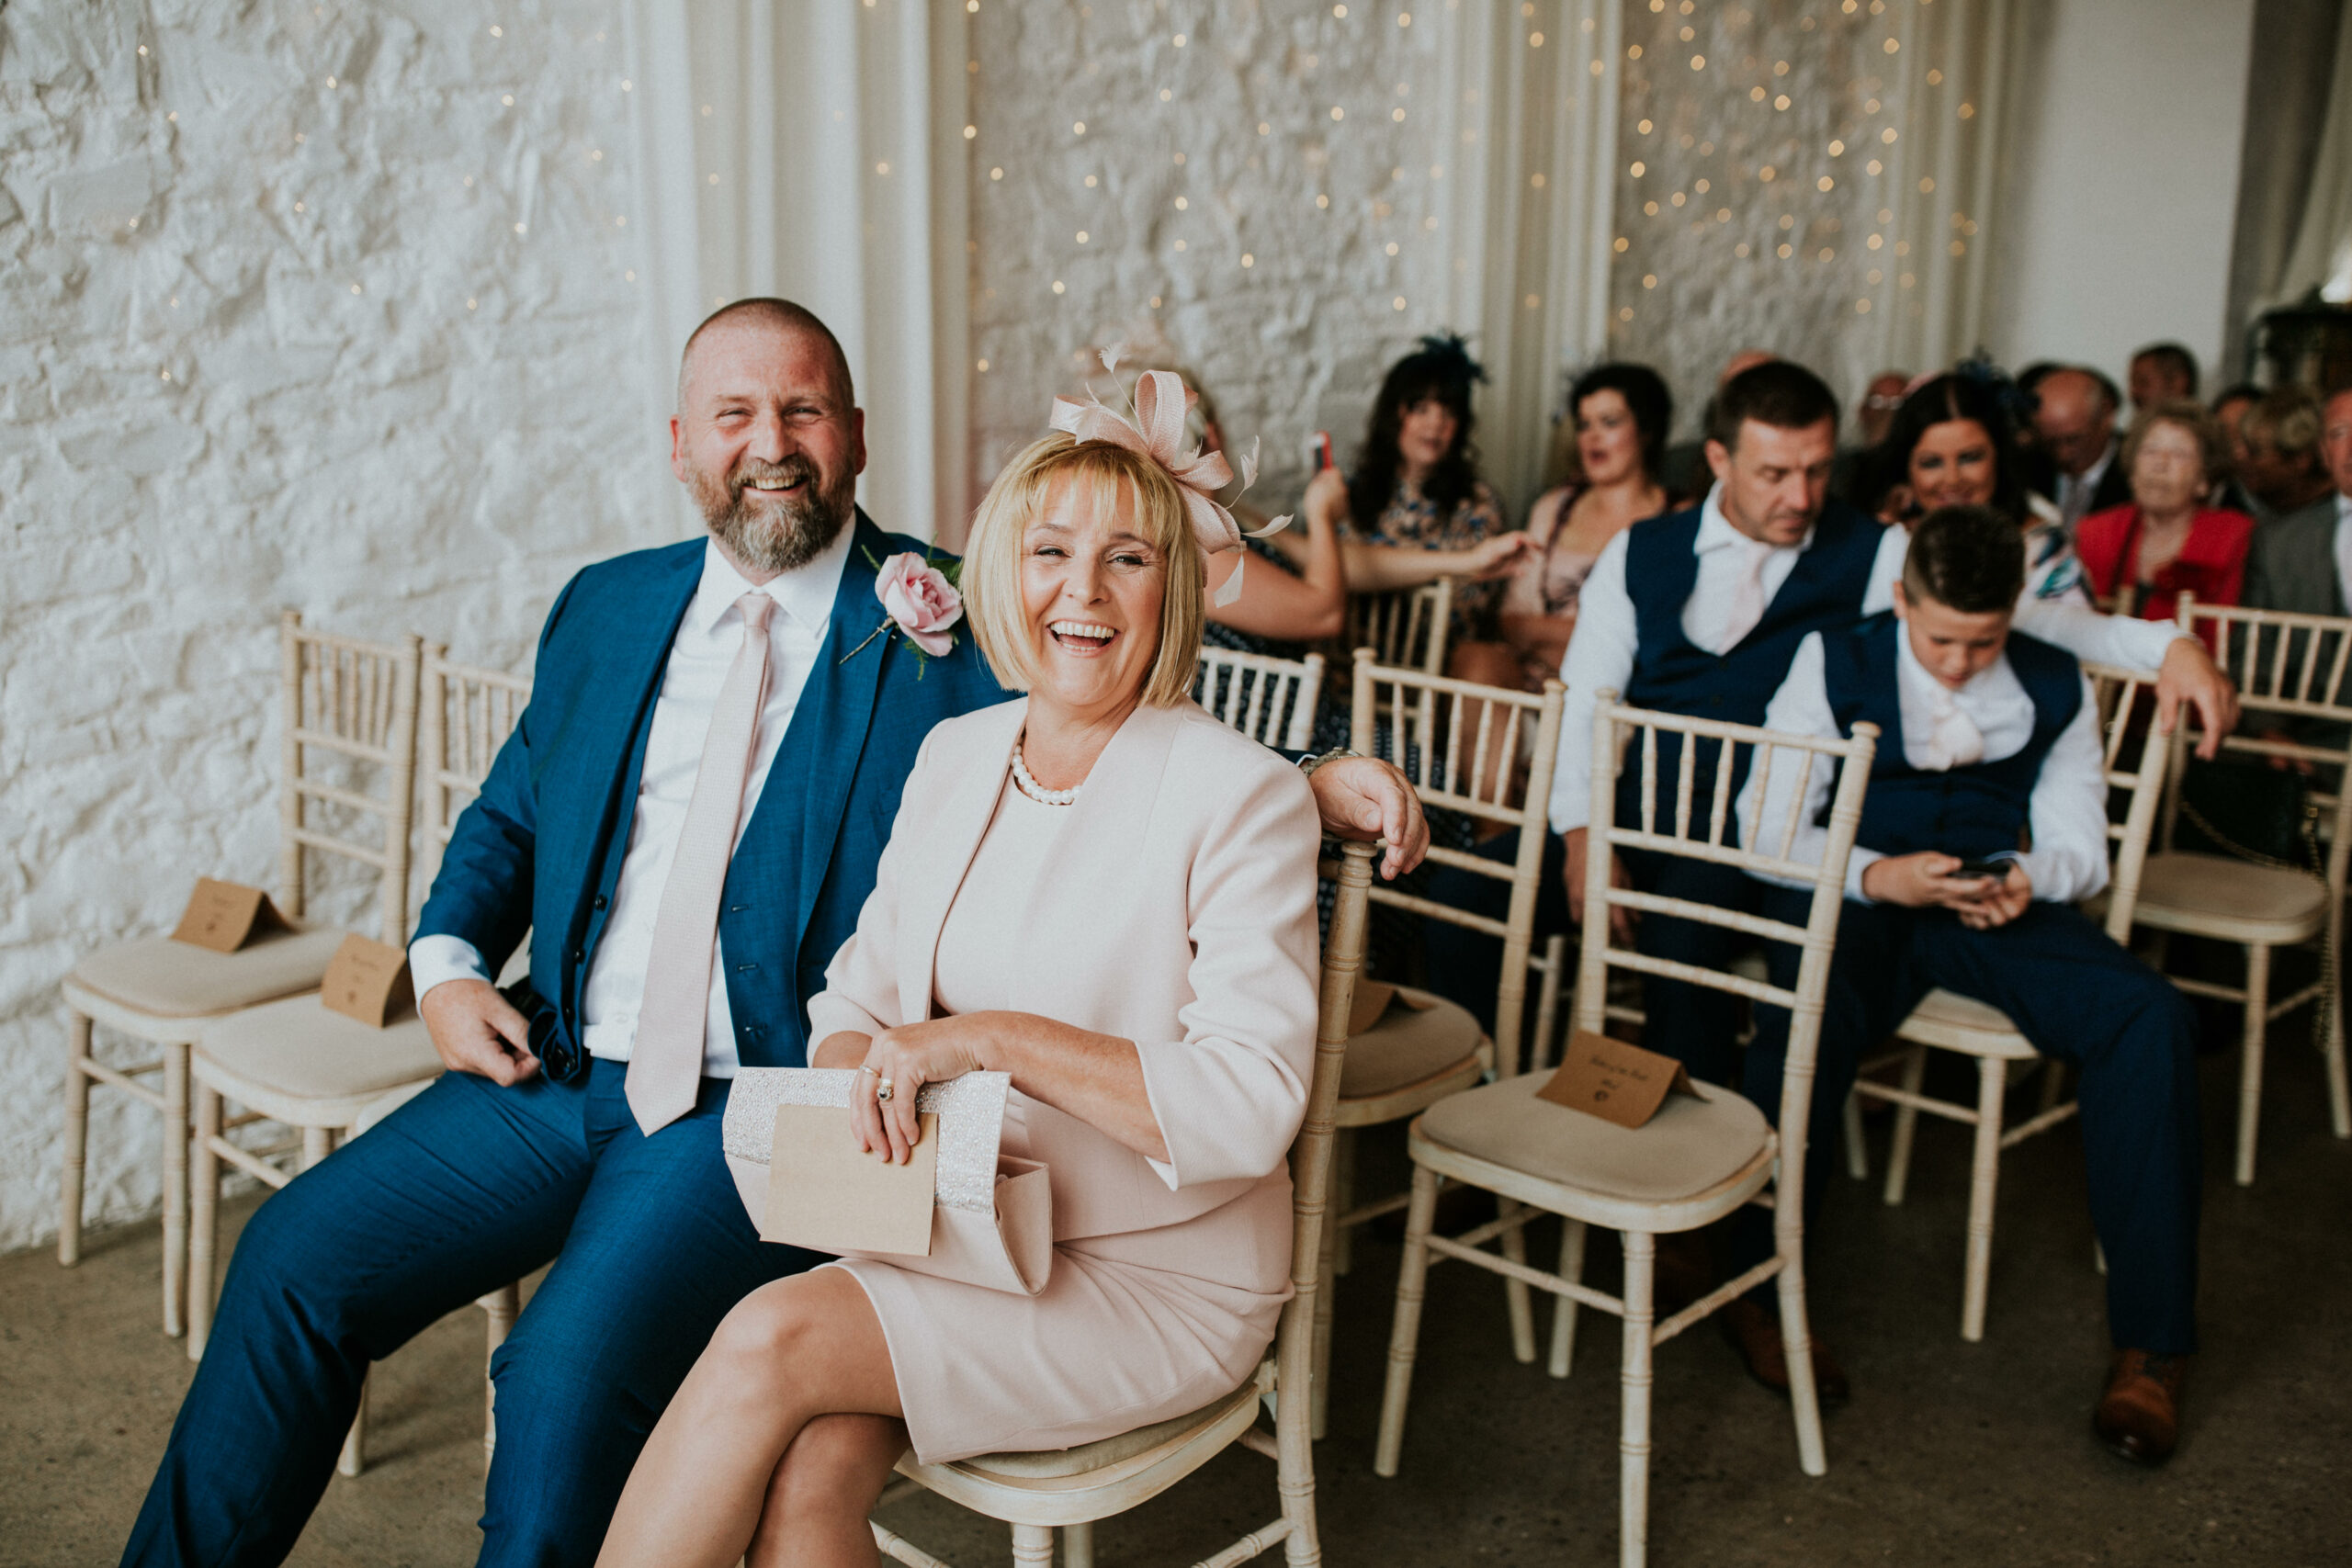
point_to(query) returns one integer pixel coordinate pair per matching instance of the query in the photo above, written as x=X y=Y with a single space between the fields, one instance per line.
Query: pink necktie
x=665 y=1065
x=1746 y=596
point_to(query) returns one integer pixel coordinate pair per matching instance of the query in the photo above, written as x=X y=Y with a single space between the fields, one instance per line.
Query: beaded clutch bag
x=992 y=1214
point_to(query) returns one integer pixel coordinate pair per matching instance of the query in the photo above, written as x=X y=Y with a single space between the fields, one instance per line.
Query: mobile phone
x=1319 y=451
x=1968 y=870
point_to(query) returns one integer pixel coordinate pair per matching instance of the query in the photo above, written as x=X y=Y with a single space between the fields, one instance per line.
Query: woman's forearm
x=1305 y=609
x=1376 y=569
x=1096 y=1077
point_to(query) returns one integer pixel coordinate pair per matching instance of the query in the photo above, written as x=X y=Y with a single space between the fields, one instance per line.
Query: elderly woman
x=1106 y=894
x=2145 y=554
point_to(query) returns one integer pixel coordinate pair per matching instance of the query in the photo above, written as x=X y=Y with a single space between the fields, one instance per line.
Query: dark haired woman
x=1416 y=509
x=1606 y=451
x=1954 y=443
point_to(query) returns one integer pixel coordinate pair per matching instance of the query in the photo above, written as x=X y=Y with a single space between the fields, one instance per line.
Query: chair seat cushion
x=286 y=1056
x=1691 y=1146
x=1054 y=1464
x=2215 y=896
x=1407 y=1043
x=174 y=979
x=1962 y=1023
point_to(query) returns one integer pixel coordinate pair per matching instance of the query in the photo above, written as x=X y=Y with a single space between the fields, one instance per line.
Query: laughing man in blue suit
x=539 y=1146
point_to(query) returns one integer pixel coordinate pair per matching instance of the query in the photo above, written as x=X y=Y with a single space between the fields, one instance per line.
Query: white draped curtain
x=814 y=150
x=2322 y=258
x=1527 y=145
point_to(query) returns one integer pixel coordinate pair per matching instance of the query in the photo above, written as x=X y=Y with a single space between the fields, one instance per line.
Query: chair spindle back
x=355 y=700
x=1269 y=700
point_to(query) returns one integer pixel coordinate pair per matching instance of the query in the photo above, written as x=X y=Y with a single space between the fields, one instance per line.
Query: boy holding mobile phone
x=1984 y=825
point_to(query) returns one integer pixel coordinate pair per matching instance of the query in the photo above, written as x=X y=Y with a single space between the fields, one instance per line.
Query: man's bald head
x=1745 y=359
x=762 y=312
x=2076 y=418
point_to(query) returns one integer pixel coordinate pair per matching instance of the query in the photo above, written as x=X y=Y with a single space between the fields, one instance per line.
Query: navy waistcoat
x=1980 y=810
x=1823 y=593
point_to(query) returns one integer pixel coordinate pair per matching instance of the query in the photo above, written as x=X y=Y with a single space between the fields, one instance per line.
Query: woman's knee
x=837 y=1461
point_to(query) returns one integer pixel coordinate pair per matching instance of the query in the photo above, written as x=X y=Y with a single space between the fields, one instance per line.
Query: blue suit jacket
x=541 y=848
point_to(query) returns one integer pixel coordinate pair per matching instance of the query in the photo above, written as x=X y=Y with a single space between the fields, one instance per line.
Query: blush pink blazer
x=1176 y=909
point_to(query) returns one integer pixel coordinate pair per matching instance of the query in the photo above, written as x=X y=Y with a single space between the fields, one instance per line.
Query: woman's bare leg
x=819 y=1499
x=790 y=1352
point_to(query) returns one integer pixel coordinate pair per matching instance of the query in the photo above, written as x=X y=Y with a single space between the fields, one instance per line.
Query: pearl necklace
x=1027 y=784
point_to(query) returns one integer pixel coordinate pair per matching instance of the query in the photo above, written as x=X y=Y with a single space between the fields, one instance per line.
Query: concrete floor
x=1950 y=1453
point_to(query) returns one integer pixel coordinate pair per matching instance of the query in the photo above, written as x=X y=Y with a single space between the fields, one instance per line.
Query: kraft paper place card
x=1612 y=1081
x=825 y=1194
x=224 y=916
x=368 y=981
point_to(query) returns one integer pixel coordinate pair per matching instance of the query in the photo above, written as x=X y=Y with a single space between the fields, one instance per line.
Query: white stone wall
x=1286 y=308
x=313 y=306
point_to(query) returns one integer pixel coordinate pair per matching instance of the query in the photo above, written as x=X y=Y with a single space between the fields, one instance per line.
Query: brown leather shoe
x=1755 y=1332
x=2139 y=1416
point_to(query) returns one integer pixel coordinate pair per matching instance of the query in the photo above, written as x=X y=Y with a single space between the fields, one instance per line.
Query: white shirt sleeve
x=2122 y=640
x=434 y=959
x=1601 y=655
x=2068 y=812
x=1886 y=569
x=1800 y=708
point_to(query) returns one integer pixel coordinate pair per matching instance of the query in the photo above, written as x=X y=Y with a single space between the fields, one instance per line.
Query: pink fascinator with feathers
x=1157 y=430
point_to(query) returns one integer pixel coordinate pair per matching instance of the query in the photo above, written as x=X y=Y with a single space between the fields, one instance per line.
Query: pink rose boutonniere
x=919 y=600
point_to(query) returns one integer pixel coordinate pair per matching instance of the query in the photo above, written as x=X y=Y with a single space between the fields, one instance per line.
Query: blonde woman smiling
x=1101 y=891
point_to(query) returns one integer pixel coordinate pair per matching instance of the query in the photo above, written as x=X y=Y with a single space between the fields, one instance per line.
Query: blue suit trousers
x=464 y=1189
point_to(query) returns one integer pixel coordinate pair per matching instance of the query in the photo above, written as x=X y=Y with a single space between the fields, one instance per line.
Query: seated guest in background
x=579 y=1124
x=1416 y=509
x=1873 y=411
x=1110 y=896
x=1611 y=438
x=1684 y=471
x=1989 y=741
x=2302 y=561
x=1701 y=613
x=1953 y=442
x=2074 y=428
x=2228 y=490
x=2281 y=465
x=2162 y=372
x=2142 y=556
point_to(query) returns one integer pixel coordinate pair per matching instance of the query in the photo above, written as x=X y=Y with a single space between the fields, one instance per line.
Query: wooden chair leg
x=1857 y=1155
x=1321 y=1397
x=1515 y=1292
x=500 y=1306
x=77 y=1140
x=1985 y=1176
x=175 y=1189
x=1078 y=1545
x=2053 y=1084
x=353 y=1458
x=2257 y=1003
x=204 y=1218
x=1633 y=1421
x=2339 y=1095
x=1796 y=1339
x=1032 y=1546
x=1412 y=1281
x=317 y=1144
x=1906 y=1123
x=1343 y=1198
x=1564 y=1308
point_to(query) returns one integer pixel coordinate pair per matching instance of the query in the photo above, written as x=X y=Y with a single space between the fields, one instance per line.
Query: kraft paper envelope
x=224 y=916
x=1612 y=1081
x=827 y=1195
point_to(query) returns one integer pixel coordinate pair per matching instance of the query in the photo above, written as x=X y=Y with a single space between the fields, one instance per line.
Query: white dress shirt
x=709 y=638
x=1600 y=651
x=2066 y=817
x=2344 y=548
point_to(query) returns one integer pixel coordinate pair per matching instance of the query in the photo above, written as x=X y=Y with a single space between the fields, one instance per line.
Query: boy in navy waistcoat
x=1984 y=824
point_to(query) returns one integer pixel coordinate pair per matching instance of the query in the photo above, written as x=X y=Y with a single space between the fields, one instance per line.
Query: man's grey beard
x=775 y=536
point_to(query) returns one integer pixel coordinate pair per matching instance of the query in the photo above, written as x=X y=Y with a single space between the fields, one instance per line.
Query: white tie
x=1953 y=739
x=1746 y=596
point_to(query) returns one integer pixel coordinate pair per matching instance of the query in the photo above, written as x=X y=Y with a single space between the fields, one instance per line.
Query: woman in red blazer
x=2142 y=557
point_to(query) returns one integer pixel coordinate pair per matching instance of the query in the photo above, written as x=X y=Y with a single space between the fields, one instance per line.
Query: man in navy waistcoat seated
x=1986 y=824
x=758 y=656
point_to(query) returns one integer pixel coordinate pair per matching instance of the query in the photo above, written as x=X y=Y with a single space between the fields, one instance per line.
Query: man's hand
x=2190 y=676
x=478 y=1031
x=1365 y=798
x=1918 y=881
x=1621 y=920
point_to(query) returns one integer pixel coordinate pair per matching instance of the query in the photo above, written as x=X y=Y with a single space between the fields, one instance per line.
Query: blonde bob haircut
x=1109 y=477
